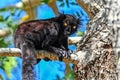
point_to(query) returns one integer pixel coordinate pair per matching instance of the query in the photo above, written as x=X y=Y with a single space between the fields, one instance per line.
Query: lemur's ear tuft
x=78 y=20
x=62 y=16
x=60 y=13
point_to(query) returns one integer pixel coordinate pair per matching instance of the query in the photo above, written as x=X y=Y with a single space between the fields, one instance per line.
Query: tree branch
x=85 y=7
x=15 y=52
x=4 y=32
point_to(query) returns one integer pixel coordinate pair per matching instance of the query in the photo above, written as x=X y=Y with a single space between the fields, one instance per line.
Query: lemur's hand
x=64 y=53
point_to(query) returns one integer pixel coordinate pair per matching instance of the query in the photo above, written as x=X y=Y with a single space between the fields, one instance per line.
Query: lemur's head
x=69 y=23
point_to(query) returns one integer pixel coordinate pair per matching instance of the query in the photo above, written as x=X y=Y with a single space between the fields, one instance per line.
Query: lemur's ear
x=62 y=16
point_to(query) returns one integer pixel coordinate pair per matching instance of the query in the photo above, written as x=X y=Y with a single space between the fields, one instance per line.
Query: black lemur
x=48 y=34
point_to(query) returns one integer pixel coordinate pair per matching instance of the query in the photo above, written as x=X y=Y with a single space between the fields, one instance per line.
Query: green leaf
x=8 y=9
x=1 y=18
x=3 y=43
x=23 y=4
x=13 y=11
x=9 y=24
x=79 y=33
x=1 y=77
x=3 y=9
x=60 y=0
x=78 y=14
x=44 y=1
x=70 y=76
x=8 y=65
x=19 y=13
x=62 y=4
x=7 y=18
x=73 y=3
x=67 y=2
x=14 y=26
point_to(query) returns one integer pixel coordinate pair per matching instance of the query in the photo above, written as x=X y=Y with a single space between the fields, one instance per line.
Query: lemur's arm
x=60 y=48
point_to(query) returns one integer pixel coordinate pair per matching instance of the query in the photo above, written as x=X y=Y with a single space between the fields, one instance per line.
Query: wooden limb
x=52 y=4
x=25 y=4
x=74 y=40
x=4 y=32
x=85 y=7
x=15 y=52
x=29 y=6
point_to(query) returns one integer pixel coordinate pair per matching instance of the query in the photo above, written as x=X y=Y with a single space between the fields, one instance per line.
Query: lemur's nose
x=69 y=29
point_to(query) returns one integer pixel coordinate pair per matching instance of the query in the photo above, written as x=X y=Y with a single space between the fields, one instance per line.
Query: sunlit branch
x=4 y=32
x=15 y=52
x=85 y=7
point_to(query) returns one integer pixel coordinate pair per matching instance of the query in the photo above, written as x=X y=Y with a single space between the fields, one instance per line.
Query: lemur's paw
x=65 y=53
x=69 y=52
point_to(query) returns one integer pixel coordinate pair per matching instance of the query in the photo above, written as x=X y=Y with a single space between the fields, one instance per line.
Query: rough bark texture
x=96 y=54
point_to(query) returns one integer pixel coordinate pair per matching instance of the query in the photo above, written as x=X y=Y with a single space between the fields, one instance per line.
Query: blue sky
x=44 y=11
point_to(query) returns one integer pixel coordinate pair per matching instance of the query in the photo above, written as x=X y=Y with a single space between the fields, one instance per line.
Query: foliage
x=8 y=23
x=2 y=60
x=44 y=1
x=70 y=75
x=79 y=33
x=3 y=43
x=67 y=2
x=8 y=20
x=7 y=63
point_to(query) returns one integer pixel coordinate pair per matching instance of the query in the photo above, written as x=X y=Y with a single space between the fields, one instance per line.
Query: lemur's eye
x=65 y=24
x=74 y=27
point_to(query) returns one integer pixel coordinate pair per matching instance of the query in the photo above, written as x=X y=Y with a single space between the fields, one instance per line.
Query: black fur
x=49 y=34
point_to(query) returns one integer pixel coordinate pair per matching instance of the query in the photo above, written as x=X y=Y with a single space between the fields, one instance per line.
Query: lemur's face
x=70 y=25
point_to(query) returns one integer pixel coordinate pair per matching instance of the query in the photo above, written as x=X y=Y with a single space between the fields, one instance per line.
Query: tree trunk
x=96 y=50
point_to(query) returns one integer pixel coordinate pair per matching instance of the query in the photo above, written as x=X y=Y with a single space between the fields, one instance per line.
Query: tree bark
x=99 y=59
